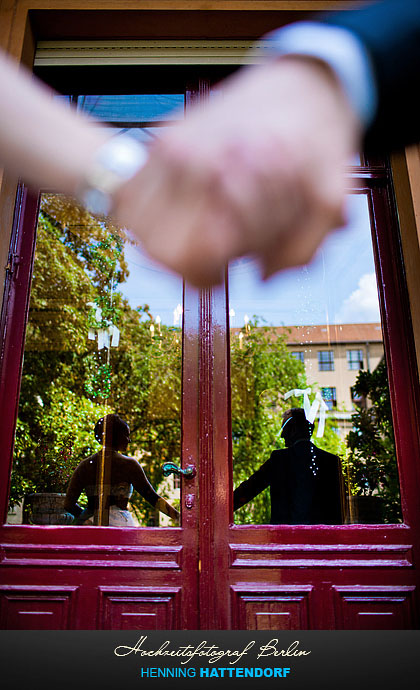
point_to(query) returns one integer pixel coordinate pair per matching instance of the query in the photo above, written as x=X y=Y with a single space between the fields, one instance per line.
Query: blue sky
x=149 y=283
x=339 y=286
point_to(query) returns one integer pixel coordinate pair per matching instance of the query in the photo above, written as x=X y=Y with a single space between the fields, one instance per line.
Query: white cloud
x=363 y=304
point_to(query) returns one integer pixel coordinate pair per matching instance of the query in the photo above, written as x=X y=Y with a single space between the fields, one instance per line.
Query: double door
x=203 y=386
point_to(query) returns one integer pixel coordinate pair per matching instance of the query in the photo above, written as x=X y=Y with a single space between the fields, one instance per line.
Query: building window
x=329 y=395
x=355 y=359
x=326 y=360
x=300 y=356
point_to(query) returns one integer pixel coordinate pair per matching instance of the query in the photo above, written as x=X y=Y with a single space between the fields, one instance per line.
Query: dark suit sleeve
x=253 y=486
x=390 y=32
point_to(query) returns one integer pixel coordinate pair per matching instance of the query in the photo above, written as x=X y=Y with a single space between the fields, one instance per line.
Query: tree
x=372 y=464
x=55 y=415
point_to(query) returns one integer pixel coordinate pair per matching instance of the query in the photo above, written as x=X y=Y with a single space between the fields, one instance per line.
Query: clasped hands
x=258 y=171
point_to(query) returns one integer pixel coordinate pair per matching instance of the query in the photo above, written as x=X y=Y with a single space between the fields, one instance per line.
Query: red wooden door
x=60 y=577
x=350 y=576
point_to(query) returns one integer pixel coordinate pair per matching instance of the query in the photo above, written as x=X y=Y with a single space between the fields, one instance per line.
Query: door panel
x=107 y=577
x=274 y=608
x=370 y=608
x=147 y=608
x=38 y=608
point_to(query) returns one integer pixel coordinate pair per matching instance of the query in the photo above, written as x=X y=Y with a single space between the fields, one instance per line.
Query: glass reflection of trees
x=261 y=362
x=67 y=382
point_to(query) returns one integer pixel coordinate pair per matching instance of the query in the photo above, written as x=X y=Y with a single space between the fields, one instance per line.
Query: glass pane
x=146 y=135
x=66 y=100
x=134 y=108
x=311 y=338
x=103 y=338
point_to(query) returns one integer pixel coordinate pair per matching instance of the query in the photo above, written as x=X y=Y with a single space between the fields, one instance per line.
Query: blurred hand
x=258 y=171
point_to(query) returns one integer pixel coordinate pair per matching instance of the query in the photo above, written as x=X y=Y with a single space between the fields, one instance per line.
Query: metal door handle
x=170 y=468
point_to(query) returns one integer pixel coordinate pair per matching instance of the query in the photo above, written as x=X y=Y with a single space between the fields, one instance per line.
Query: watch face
x=118 y=159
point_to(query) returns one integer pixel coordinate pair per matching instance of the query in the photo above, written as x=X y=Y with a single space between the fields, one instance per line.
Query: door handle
x=170 y=468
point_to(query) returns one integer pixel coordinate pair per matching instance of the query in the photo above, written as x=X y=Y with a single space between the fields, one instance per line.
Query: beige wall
x=342 y=378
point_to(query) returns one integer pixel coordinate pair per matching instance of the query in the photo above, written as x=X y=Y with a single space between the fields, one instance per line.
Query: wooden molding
x=406 y=179
x=153 y=52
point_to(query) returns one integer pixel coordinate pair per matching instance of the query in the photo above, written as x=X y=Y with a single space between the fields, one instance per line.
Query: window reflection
x=325 y=360
x=108 y=478
x=311 y=338
x=355 y=359
x=103 y=337
x=305 y=482
x=329 y=396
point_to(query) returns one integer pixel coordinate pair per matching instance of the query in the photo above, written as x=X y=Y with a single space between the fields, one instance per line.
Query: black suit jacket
x=298 y=495
x=390 y=31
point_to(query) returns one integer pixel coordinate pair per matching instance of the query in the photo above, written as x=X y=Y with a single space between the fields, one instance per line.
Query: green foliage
x=331 y=441
x=371 y=462
x=67 y=384
x=262 y=370
x=50 y=441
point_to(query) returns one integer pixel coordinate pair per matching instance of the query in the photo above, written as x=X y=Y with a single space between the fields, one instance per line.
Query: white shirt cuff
x=341 y=50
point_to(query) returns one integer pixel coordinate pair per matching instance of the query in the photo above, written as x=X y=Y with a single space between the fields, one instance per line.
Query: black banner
x=210 y=659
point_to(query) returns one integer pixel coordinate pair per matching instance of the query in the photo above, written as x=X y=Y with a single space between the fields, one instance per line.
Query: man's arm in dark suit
x=390 y=32
x=253 y=486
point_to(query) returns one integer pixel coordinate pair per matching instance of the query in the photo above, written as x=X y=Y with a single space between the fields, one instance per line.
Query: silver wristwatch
x=115 y=162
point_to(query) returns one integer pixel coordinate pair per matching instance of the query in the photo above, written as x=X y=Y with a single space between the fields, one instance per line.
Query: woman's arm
x=41 y=140
x=166 y=508
x=144 y=488
x=74 y=489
